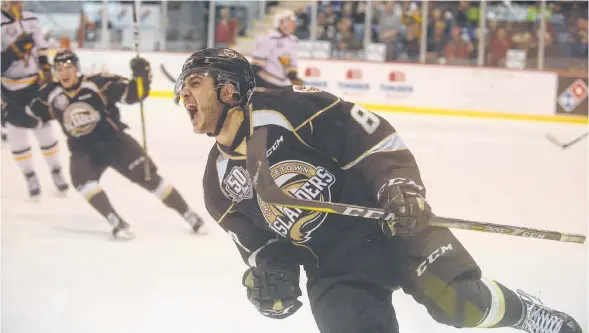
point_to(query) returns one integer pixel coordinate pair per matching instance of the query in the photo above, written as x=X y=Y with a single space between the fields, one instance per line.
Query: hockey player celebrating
x=325 y=148
x=275 y=55
x=85 y=106
x=25 y=68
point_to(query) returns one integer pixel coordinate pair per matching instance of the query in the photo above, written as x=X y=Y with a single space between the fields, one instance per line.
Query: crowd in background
x=452 y=30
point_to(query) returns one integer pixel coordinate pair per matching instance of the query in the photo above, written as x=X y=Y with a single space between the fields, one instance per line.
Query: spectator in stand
x=303 y=21
x=343 y=40
x=226 y=30
x=461 y=17
x=437 y=33
x=390 y=26
x=522 y=39
x=411 y=43
x=498 y=48
x=359 y=15
x=458 y=50
x=321 y=31
x=331 y=17
x=580 y=37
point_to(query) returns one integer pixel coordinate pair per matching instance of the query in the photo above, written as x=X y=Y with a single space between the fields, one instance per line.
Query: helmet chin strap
x=223 y=116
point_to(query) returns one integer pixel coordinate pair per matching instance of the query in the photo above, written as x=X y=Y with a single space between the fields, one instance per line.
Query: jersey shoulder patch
x=305 y=89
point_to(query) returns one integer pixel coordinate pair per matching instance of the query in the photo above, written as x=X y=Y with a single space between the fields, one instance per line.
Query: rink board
x=414 y=88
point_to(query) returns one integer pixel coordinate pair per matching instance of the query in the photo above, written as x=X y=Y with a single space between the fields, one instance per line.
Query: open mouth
x=192 y=111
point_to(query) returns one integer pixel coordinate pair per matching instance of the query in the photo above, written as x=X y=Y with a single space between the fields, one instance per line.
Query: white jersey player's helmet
x=283 y=14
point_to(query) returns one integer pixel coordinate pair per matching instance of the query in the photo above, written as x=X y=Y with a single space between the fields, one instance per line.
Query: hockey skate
x=33 y=185
x=120 y=229
x=59 y=180
x=541 y=319
x=195 y=221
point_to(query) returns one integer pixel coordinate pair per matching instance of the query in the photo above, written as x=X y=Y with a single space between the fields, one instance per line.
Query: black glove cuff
x=43 y=60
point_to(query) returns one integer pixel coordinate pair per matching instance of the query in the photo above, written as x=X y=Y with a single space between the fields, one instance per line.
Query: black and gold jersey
x=88 y=113
x=320 y=147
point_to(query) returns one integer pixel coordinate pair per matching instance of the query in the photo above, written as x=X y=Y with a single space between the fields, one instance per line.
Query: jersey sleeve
x=358 y=140
x=40 y=42
x=261 y=51
x=116 y=88
x=294 y=63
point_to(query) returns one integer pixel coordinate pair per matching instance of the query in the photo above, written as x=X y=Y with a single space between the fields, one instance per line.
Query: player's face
x=200 y=100
x=67 y=74
x=288 y=26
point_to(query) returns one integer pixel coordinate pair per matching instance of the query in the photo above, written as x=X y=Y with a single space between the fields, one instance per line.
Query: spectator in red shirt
x=457 y=48
x=499 y=47
x=226 y=30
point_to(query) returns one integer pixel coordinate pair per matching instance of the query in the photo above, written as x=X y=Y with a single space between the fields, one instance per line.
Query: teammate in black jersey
x=325 y=148
x=85 y=106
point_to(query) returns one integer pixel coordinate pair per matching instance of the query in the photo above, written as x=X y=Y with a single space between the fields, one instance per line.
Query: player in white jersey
x=25 y=68
x=275 y=56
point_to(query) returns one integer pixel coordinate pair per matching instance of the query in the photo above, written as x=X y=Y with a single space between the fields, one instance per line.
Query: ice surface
x=61 y=274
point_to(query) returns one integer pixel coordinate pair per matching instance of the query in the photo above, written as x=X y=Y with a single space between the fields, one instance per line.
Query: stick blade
x=553 y=139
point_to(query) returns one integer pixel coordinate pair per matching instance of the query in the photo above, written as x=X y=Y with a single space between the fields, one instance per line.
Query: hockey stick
x=552 y=139
x=140 y=93
x=259 y=171
x=167 y=74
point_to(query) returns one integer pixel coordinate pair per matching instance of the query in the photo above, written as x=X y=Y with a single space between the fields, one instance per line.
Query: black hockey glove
x=140 y=68
x=19 y=49
x=405 y=199
x=273 y=293
x=294 y=79
x=45 y=75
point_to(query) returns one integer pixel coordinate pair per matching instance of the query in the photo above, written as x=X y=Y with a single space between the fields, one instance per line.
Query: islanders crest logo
x=303 y=181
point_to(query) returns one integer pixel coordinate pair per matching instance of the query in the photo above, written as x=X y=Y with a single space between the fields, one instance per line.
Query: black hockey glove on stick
x=45 y=74
x=273 y=293
x=141 y=71
x=259 y=171
x=405 y=199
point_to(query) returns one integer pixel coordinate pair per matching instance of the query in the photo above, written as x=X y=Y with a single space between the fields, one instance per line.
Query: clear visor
x=183 y=81
x=63 y=65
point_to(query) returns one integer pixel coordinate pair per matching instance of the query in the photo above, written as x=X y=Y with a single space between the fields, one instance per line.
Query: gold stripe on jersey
x=23 y=81
x=231 y=157
x=227 y=212
x=316 y=114
x=272 y=117
x=390 y=143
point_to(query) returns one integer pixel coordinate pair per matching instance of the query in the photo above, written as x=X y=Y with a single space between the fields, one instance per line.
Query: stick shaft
x=146 y=166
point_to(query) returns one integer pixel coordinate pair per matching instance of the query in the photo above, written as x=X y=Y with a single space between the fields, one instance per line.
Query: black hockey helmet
x=66 y=56
x=225 y=66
